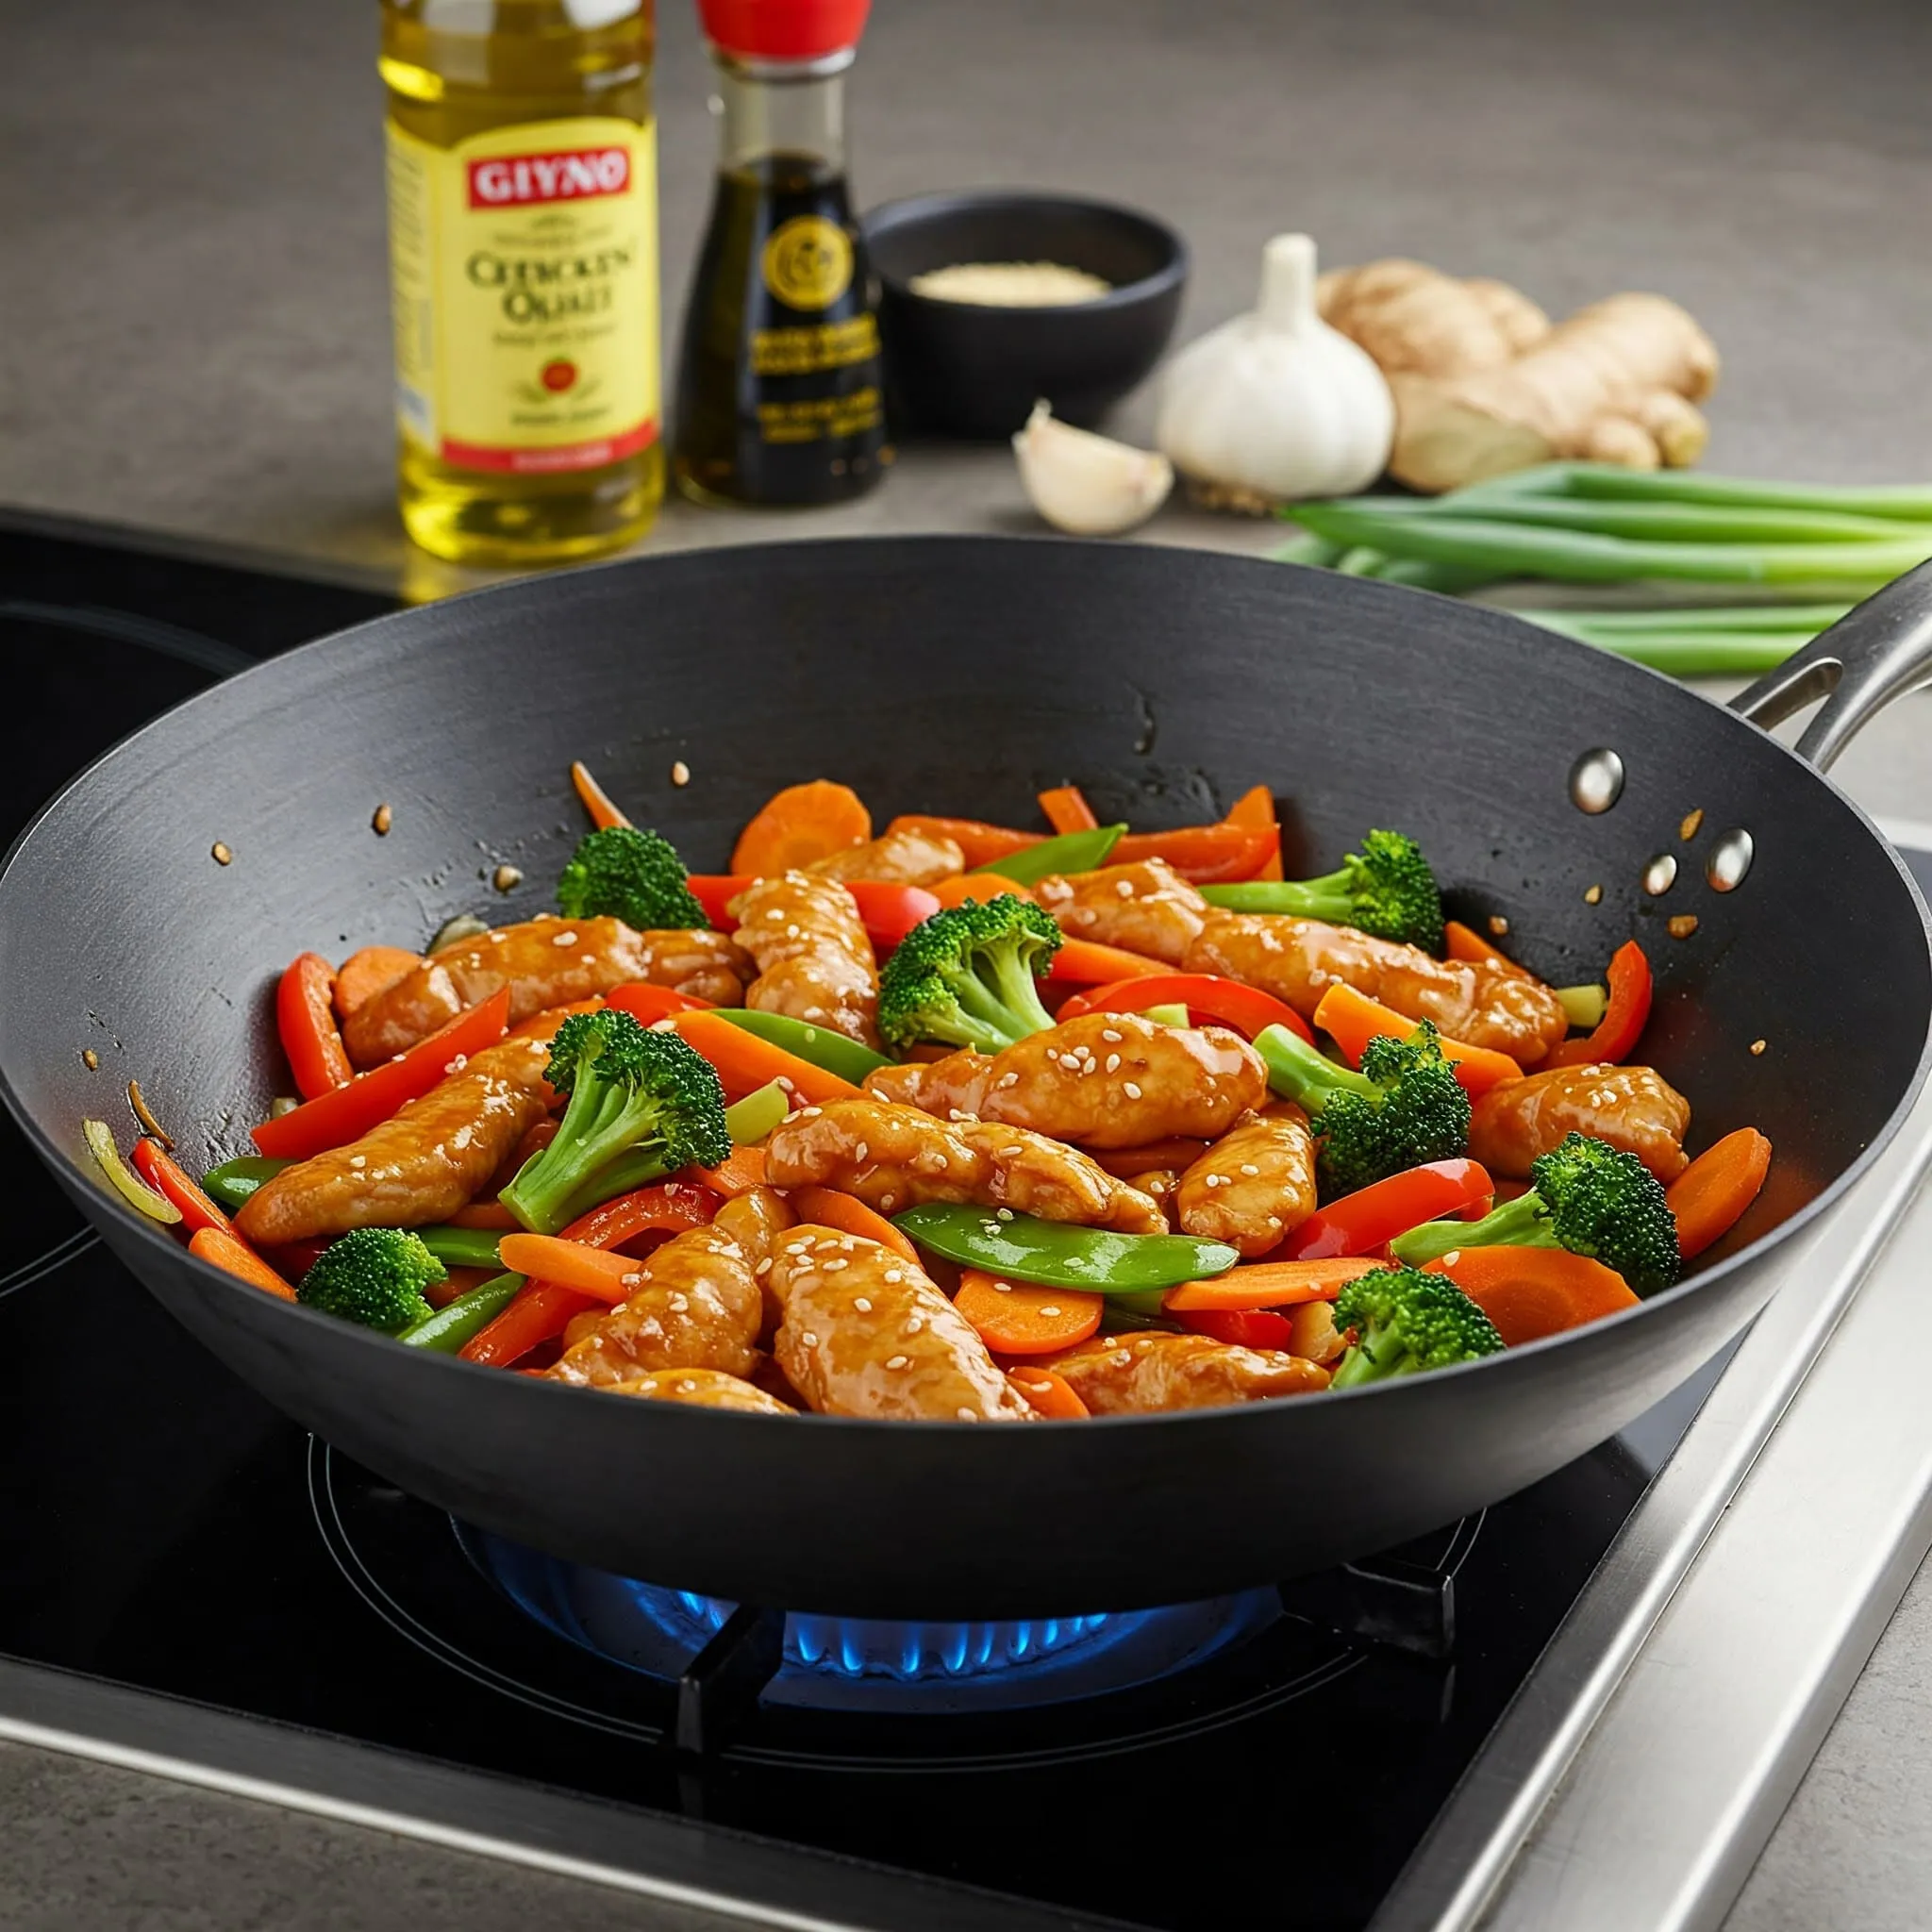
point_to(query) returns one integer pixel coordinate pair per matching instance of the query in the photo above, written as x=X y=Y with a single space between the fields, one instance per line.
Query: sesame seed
x=810 y=1339
x=765 y=1267
x=380 y=821
x=1131 y=1089
x=688 y=1385
x=1249 y=1169
x=1108 y=1033
x=1003 y=1214
x=893 y=1275
x=1125 y=888
x=1682 y=927
x=680 y=773
x=505 y=878
x=967 y=1415
x=1011 y=1153
x=219 y=854
x=863 y=1148
x=358 y=1161
x=1003 y=1286
x=586 y=959
x=1274 y=1220
x=862 y=1303
x=809 y=1113
x=1757 y=1046
x=1051 y=1309
x=1453 y=1255
x=498 y=938
x=833 y=1267
x=1688 y=829
x=792 y=931
x=914 y=1324
x=887 y=1202
x=898 y=1362
x=1593 y=895
x=632 y=1279
x=1008 y=1080
x=1113 y=1060
x=565 y=937
x=91 y=1060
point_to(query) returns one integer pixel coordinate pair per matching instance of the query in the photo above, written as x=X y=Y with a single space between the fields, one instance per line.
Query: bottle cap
x=783 y=29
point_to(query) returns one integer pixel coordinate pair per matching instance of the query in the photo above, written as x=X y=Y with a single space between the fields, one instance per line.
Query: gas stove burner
x=861 y=1664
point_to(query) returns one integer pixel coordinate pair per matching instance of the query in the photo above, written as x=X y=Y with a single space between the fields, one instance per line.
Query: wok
x=960 y=675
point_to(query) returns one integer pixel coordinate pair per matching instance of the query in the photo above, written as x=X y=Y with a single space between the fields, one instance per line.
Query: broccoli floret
x=642 y=1104
x=1587 y=1196
x=374 y=1276
x=622 y=872
x=1386 y=889
x=1404 y=1107
x=1406 y=1321
x=967 y=976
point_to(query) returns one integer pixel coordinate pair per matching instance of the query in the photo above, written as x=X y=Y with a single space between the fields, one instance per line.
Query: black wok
x=960 y=675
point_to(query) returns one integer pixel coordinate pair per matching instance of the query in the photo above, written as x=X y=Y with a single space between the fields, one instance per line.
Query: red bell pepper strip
x=168 y=1178
x=306 y=1018
x=1352 y=1019
x=1465 y=943
x=541 y=1312
x=1243 y=1327
x=889 y=910
x=1067 y=810
x=1255 y=808
x=672 y=1204
x=1205 y=995
x=1207 y=855
x=1617 y=1034
x=346 y=1113
x=648 y=1004
x=1085 y=963
x=1360 y=1223
x=714 y=891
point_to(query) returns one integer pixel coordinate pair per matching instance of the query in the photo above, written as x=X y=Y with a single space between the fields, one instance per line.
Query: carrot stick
x=1067 y=810
x=1085 y=963
x=827 y=1208
x=1051 y=1396
x=372 y=971
x=540 y=1311
x=603 y=814
x=1710 y=1194
x=799 y=824
x=1352 y=1019
x=1254 y=809
x=981 y=843
x=169 y=1179
x=739 y=1172
x=1465 y=943
x=570 y=1264
x=1125 y=1162
x=744 y=1062
x=1270 y=1285
x=231 y=1253
x=977 y=885
x=1530 y=1293
x=1015 y=1317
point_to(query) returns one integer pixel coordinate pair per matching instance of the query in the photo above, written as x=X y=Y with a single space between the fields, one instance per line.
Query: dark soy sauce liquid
x=779 y=391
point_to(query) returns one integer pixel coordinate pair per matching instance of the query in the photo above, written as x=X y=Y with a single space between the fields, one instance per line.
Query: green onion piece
x=756 y=1115
x=462 y=1247
x=1173 y=1014
x=819 y=1044
x=1315 y=552
x=126 y=1182
x=453 y=932
x=452 y=1324
x=1070 y=852
x=231 y=1183
x=1585 y=1005
x=1691 y=620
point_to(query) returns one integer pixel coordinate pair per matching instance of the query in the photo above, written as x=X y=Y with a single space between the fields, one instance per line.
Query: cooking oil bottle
x=522 y=207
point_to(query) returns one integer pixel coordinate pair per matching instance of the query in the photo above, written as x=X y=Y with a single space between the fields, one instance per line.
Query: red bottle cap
x=783 y=29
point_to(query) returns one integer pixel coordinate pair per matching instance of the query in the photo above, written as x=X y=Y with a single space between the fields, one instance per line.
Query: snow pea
x=1070 y=852
x=231 y=1183
x=452 y=1326
x=462 y=1247
x=818 y=1044
x=1057 y=1253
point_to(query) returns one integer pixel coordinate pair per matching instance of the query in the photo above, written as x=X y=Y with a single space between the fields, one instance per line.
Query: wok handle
x=1871 y=654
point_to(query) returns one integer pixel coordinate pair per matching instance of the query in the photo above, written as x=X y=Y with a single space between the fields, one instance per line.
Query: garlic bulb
x=1088 y=485
x=1277 y=401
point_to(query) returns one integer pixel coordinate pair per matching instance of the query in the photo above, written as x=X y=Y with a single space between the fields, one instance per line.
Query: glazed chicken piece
x=1254 y=1184
x=904 y=857
x=1632 y=1107
x=1160 y=1185
x=894 y=1156
x=419 y=1166
x=698 y=1303
x=1146 y=907
x=1298 y=959
x=701 y=1388
x=814 y=960
x=544 y=963
x=865 y=1333
x=1131 y=1375
x=1105 y=1080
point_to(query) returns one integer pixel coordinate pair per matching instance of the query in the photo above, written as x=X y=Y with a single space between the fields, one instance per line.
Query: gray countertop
x=196 y=341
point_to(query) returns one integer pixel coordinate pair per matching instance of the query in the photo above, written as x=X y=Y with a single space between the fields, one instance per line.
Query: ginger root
x=1484 y=385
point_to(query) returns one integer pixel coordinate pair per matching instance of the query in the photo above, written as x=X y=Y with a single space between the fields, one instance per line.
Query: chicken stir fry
x=904 y=856
x=1146 y=907
x=814 y=960
x=699 y=1388
x=1123 y=1374
x=1255 y=1185
x=1632 y=1107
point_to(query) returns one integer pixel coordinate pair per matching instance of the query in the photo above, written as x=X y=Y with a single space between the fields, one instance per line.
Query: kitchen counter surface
x=197 y=341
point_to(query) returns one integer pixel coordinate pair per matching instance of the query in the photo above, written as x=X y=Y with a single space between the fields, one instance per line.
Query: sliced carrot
x=234 y=1255
x=799 y=824
x=1125 y=1162
x=1085 y=963
x=169 y=1179
x=744 y=1062
x=492 y=1215
x=541 y=1312
x=597 y=801
x=1465 y=943
x=1049 y=1395
x=543 y=1025
x=1254 y=809
x=979 y=842
x=570 y=1264
x=739 y=1172
x=1015 y=1317
x=1352 y=1020
x=977 y=885
x=1207 y=855
x=827 y=1208
x=1709 y=1196
x=1530 y=1293
x=1270 y=1285
x=1067 y=810
x=372 y=971
x=649 y=1004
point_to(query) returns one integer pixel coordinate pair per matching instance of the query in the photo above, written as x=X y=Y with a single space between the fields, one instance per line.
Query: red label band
x=535 y=463
x=522 y=180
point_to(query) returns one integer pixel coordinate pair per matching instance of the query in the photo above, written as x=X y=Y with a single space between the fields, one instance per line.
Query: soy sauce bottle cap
x=783 y=29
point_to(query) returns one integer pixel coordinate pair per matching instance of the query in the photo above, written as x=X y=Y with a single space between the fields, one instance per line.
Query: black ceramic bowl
x=967 y=369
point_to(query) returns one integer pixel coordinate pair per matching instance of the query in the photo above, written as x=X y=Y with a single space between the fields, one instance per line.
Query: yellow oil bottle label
x=807 y=262
x=524 y=272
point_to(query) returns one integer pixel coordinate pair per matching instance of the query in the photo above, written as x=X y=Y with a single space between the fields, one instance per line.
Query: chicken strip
x=544 y=963
x=1105 y=1080
x=1128 y=1375
x=1146 y=907
x=893 y=1157
x=698 y=1303
x=701 y=1388
x=1254 y=1184
x=1298 y=959
x=814 y=959
x=1632 y=1107
x=904 y=857
x=865 y=1333
x=420 y=1165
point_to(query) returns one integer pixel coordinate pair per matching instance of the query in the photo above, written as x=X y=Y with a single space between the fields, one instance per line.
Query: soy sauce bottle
x=781 y=396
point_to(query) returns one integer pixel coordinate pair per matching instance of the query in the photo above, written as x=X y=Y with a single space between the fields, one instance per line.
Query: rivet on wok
x=1730 y=860
x=1660 y=874
x=1596 y=781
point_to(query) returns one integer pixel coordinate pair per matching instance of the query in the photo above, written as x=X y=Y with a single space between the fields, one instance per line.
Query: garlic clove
x=1088 y=485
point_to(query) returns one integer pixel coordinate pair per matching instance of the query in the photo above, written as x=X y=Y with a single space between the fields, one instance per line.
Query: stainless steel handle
x=1871 y=656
